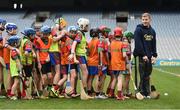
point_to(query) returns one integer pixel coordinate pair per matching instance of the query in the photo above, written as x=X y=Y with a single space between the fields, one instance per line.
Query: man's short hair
x=146 y=15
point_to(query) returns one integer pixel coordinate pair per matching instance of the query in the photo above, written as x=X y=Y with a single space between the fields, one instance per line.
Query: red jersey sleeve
x=14 y=54
x=78 y=38
x=105 y=46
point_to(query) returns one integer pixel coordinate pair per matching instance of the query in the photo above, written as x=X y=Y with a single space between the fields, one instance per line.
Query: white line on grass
x=161 y=70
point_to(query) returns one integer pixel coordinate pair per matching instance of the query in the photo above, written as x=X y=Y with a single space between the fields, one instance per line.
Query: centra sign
x=167 y=63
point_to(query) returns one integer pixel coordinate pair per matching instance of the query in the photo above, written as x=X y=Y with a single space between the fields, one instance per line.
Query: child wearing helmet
x=15 y=66
x=2 y=87
x=104 y=59
x=11 y=30
x=127 y=37
x=58 y=32
x=79 y=49
x=118 y=54
x=27 y=54
x=93 y=60
x=72 y=33
x=37 y=78
x=44 y=42
x=109 y=91
x=65 y=48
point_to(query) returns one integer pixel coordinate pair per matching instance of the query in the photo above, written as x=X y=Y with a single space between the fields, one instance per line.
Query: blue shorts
x=92 y=70
x=7 y=66
x=81 y=59
x=115 y=72
x=54 y=58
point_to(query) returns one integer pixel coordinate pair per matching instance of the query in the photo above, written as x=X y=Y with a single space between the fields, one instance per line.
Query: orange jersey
x=117 y=61
x=6 y=52
x=104 y=45
x=93 y=58
x=43 y=49
x=6 y=55
x=65 y=49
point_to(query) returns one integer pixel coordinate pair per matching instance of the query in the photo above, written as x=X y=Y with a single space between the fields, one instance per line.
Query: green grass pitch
x=164 y=82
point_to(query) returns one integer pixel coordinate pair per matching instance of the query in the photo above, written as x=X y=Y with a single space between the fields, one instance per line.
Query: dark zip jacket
x=145 y=41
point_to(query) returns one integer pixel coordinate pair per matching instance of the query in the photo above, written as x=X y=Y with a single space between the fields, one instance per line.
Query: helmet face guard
x=83 y=24
x=14 y=41
x=129 y=35
x=11 y=28
x=29 y=32
x=72 y=31
x=94 y=32
x=118 y=32
x=105 y=30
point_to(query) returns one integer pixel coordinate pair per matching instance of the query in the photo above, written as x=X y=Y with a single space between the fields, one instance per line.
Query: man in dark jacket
x=145 y=49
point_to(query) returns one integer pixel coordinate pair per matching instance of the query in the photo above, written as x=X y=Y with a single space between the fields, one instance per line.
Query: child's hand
x=75 y=60
x=70 y=57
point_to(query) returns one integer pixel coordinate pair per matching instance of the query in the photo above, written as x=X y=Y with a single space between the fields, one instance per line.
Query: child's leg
x=84 y=71
x=127 y=80
x=44 y=80
x=73 y=79
x=119 y=88
x=119 y=83
x=50 y=78
x=57 y=74
x=101 y=83
x=112 y=86
x=109 y=85
x=39 y=83
x=62 y=81
x=37 y=78
x=15 y=86
x=35 y=84
x=2 y=88
x=97 y=85
x=19 y=91
x=9 y=82
x=90 y=81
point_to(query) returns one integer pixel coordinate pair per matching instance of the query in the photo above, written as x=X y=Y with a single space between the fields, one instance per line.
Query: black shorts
x=28 y=70
x=74 y=66
x=46 y=68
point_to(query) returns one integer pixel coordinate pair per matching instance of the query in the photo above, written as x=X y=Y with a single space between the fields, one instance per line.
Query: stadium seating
x=165 y=24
